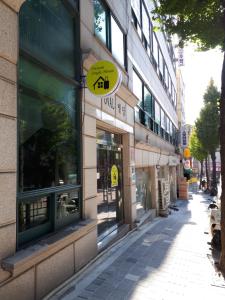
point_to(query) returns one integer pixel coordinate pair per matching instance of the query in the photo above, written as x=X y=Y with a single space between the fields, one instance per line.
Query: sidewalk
x=166 y=259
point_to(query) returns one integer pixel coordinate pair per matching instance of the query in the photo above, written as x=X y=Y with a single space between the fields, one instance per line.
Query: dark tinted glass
x=47 y=31
x=47 y=129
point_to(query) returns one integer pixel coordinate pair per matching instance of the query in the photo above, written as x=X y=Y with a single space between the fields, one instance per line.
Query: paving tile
x=167 y=261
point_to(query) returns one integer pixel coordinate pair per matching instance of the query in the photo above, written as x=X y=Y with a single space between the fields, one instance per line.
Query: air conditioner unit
x=164 y=197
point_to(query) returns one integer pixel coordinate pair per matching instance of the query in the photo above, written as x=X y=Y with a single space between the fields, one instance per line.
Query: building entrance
x=109 y=183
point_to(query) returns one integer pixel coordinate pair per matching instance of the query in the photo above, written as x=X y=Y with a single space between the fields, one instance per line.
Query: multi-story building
x=61 y=146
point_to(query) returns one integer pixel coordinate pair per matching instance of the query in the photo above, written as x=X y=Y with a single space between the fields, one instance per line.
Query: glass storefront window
x=48 y=117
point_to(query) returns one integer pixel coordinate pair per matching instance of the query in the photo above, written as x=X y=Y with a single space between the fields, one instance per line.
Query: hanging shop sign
x=114 y=176
x=103 y=78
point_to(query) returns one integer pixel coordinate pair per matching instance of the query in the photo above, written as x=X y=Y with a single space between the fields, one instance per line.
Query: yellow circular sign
x=114 y=176
x=103 y=78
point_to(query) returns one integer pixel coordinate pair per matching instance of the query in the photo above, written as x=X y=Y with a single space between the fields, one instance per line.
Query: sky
x=198 y=68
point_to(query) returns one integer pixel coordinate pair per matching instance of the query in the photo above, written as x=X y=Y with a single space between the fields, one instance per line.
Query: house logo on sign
x=101 y=83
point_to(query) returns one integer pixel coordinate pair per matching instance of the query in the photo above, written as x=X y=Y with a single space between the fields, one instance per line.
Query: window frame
x=108 y=29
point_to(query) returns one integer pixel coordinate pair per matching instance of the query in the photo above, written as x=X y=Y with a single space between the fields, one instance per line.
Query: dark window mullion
x=108 y=30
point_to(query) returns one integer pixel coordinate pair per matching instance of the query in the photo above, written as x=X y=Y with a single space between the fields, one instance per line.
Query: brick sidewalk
x=167 y=259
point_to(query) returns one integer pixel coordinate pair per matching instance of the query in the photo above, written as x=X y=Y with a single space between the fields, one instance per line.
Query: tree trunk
x=214 y=183
x=207 y=172
x=222 y=154
x=201 y=175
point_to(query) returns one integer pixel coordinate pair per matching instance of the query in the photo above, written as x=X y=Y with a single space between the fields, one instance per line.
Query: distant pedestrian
x=203 y=184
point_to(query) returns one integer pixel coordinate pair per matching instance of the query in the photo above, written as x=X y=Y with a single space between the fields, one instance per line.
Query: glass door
x=109 y=188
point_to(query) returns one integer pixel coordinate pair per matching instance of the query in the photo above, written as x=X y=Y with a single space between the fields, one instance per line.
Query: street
x=166 y=259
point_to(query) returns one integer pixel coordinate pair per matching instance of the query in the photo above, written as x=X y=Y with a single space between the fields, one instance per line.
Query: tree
x=207 y=132
x=197 y=150
x=201 y=22
x=212 y=95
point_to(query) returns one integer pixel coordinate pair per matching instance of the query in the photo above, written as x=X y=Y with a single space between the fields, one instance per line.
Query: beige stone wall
x=8 y=131
x=37 y=274
x=129 y=183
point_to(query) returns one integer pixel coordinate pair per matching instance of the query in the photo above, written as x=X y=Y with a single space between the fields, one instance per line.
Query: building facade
x=79 y=171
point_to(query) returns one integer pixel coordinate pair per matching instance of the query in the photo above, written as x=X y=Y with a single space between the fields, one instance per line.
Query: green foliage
x=212 y=95
x=207 y=127
x=196 y=148
x=198 y=21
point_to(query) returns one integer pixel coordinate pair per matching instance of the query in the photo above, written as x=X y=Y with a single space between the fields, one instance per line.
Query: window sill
x=27 y=258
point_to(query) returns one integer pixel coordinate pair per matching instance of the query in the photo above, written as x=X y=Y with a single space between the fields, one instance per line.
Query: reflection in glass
x=100 y=20
x=32 y=214
x=117 y=42
x=67 y=204
x=47 y=129
x=47 y=31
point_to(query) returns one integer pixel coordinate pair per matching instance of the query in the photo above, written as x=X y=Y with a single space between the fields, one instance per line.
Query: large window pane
x=155 y=49
x=47 y=130
x=47 y=31
x=117 y=42
x=157 y=113
x=137 y=87
x=148 y=101
x=100 y=20
x=162 y=119
x=145 y=23
x=135 y=4
x=161 y=63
